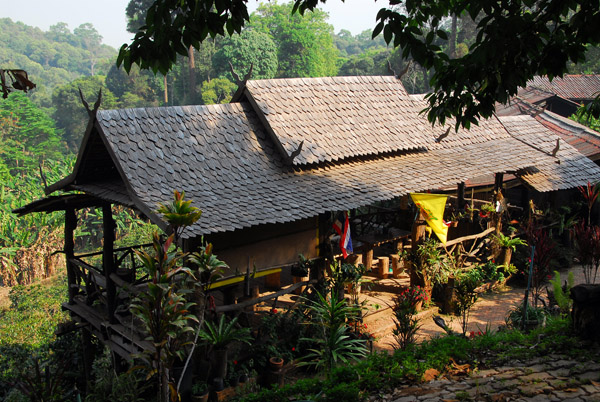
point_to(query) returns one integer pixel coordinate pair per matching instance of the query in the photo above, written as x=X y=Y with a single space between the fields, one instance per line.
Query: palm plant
x=222 y=333
x=164 y=312
x=332 y=339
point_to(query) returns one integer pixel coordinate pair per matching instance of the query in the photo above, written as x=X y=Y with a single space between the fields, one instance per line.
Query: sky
x=108 y=16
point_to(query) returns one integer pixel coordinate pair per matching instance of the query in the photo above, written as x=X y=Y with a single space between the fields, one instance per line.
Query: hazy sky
x=108 y=16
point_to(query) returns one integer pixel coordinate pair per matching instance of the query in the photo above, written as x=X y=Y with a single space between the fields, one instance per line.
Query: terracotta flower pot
x=275 y=363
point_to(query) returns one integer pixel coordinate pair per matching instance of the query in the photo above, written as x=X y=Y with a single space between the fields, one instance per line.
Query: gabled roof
x=569 y=169
x=338 y=117
x=233 y=167
x=584 y=139
x=574 y=87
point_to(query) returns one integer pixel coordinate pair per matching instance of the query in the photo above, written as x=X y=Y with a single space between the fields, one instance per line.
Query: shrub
x=464 y=291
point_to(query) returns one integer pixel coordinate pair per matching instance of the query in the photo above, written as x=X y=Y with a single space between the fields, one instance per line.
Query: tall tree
x=304 y=42
x=252 y=47
x=516 y=40
x=137 y=89
x=27 y=134
x=91 y=40
x=70 y=114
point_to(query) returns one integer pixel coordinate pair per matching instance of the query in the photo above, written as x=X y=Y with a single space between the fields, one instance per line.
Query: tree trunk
x=166 y=90
x=452 y=44
x=192 y=74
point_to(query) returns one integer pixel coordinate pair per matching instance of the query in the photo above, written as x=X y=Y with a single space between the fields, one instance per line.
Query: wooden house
x=269 y=168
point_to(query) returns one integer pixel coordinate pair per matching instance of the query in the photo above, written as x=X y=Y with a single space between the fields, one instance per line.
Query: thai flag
x=342 y=227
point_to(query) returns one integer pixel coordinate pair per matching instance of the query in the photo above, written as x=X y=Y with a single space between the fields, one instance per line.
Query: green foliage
x=27 y=134
x=464 y=291
x=508 y=241
x=582 y=117
x=562 y=295
x=304 y=42
x=179 y=213
x=466 y=85
x=27 y=242
x=430 y=258
x=137 y=89
x=70 y=115
x=330 y=334
x=223 y=333
x=51 y=58
x=250 y=47
x=533 y=314
x=164 y=312
x=405 y=311
x=109 y=386
x=217 y=90
x=27 y=326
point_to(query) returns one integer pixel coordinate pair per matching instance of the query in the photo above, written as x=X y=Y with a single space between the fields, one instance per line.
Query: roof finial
x=404 y=70
x=91 y=112
x=556 y=148
x=296 y=152
x=443 y=135
x=236 y=77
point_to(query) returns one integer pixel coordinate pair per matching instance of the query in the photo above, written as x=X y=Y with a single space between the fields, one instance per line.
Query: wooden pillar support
x=417 y=237
x=498 y=181
x=396 y=268
x=460 y=197
x=383 y=267
x=69 y=248
x=368 y=257
x=108 y=260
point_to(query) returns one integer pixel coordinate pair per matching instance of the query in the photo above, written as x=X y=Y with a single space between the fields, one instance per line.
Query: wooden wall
x=265 y=246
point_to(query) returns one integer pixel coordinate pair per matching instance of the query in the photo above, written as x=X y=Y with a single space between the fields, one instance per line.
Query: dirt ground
x=489 y=312
x=4 y=300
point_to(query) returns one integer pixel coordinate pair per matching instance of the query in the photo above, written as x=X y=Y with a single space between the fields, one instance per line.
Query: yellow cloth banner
x=433 y=206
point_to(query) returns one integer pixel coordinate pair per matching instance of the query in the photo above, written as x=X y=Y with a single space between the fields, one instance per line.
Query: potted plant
x=486 y=210
x=219 y=336
x=508 y=244
x=302 y=267
x=200 y=392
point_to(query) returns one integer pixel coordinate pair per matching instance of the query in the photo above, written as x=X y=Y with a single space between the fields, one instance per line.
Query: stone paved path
x=553 y=378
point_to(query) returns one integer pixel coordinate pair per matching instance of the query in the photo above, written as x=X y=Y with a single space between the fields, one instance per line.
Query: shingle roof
x=573 y=170
x=226 y=162
x=579 y=87
x=584 y=139
x=338 y=117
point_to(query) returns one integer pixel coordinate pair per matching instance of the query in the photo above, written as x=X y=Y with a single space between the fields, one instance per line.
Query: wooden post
x=70 y=225
x=395 y=258
x=368 y=257
x=383 y=267
x=498 y=181
x=88 y=355
x=460 y=197
x=417 y=236
x=108 y=260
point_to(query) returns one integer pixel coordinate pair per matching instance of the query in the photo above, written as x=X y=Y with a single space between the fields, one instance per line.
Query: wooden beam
x=467 y=238
x=460 y=197
x=498 y=181
x=108 y=260
x=248 y=303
